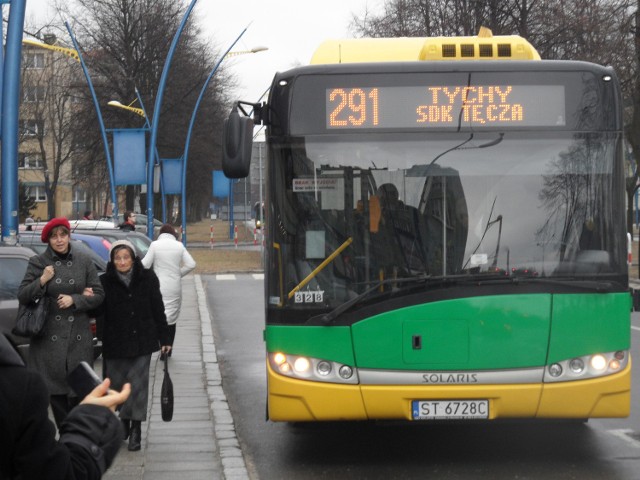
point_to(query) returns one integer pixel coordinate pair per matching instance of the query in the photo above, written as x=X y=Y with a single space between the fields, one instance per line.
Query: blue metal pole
x=103 y=132
x=156 y=118
x=10 y=116
x=148 y=126
x=1 y=66
x=187 y=143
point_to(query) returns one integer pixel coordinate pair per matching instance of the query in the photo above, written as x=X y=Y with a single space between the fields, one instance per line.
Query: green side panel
x=491 y=332
x=589 y=323
x=329 y=343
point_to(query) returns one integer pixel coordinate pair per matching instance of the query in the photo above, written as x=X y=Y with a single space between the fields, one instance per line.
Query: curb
x=231 y=457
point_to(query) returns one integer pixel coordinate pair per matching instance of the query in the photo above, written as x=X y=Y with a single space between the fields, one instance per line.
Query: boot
x=126 y=424
x=135 y=435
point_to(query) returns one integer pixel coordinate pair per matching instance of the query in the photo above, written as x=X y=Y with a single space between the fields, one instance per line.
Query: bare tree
x=429 y=18
x=26 y=203
x=125 y=44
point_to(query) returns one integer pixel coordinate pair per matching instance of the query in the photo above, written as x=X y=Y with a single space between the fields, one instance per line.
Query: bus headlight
x=324 y=368
x=555 y=370
x=279 y=358
x=313 y=369
x=301 y=365
x=345 y=372
x=576 y=365
x=598 y=363
x=587 y=366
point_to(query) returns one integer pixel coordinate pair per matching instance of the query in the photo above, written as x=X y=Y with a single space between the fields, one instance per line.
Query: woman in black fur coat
x=132 y=325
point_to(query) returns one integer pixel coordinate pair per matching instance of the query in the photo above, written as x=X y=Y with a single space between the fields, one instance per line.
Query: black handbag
x=166 y=393
x=32 y=317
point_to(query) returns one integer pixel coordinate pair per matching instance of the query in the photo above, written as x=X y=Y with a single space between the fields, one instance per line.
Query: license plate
x=449 y=409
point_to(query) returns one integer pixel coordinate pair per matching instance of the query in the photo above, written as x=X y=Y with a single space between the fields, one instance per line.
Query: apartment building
x=46 y=153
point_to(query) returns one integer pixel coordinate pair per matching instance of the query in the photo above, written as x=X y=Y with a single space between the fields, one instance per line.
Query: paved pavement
x=200 y=442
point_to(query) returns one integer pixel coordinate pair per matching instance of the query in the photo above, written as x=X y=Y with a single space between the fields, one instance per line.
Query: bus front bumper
x=296 y=400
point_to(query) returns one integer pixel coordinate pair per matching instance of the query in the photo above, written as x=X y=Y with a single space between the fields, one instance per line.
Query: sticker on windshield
x=311 y=185
x=309 y=296
x=274 y=300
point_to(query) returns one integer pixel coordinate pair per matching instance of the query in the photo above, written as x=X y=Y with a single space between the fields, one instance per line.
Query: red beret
x=51 y=224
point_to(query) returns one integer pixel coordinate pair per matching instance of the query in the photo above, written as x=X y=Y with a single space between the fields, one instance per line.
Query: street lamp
x=70 y=52
x=243 y=52
x=183 y=200
x=137 y=111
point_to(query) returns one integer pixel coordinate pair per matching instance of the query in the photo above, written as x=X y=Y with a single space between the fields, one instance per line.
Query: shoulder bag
x=32 y=317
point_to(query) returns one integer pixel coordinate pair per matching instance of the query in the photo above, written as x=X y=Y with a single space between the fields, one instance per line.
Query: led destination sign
x=438 y=106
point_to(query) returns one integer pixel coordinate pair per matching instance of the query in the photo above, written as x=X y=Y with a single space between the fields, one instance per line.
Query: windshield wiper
x=327 y=318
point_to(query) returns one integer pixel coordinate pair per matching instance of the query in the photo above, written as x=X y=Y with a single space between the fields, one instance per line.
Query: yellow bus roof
x=484 y=46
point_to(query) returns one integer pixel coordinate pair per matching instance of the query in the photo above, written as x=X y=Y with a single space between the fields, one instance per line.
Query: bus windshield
x=353 y=210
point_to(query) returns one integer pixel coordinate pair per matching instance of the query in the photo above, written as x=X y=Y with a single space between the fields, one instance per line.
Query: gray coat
x=67 y=338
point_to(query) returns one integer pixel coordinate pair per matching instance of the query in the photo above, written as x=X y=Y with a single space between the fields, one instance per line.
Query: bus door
x=331 y=245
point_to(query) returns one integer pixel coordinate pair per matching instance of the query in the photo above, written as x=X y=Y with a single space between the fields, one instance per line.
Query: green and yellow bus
x=445 y=235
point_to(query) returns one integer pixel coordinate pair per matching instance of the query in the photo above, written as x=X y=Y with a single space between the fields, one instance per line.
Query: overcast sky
x=291 y=29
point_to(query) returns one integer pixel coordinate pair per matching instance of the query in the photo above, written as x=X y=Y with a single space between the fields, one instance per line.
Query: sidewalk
x=200 y=442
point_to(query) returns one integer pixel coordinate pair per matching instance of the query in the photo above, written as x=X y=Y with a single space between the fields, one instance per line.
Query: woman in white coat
x=170 y=261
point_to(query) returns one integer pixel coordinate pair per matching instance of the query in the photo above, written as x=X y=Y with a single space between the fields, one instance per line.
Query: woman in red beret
x=70 y=280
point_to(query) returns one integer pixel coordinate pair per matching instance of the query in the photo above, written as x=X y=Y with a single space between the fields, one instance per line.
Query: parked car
x=97 y=244
x=13 y=264
x=140 y=221
x=139 y=240
x=95 y=247
x=75 y=225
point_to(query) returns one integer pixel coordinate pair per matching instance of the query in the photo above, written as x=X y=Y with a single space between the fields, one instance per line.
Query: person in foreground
x=90 y=436
x=70 y=280
x=170 y=261
x=132 y=325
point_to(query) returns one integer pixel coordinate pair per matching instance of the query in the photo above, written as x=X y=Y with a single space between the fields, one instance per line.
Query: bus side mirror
x=237 y=145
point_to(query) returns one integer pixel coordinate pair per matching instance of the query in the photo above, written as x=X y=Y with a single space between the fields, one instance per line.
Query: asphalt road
x=599 y=449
